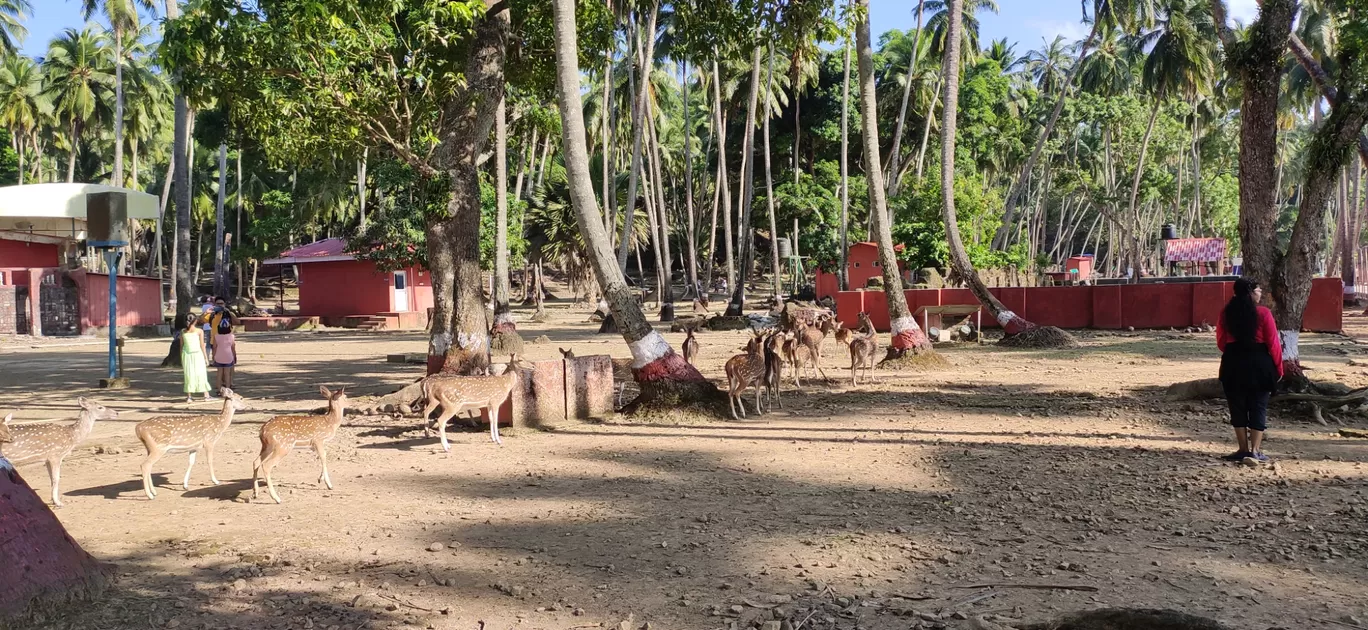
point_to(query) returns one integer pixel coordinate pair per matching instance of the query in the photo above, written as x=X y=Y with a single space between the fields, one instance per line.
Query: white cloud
x=1048 y=29
x=1243 y=10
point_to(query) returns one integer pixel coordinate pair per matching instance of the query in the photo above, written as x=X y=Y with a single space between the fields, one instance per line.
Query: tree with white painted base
x=908 y=337
x=663 y=375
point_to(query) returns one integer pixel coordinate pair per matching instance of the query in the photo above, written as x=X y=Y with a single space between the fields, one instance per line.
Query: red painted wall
x=21 y=254
x=1176 y=305
x=355 y=287
x=861 y=265
x=139 y=300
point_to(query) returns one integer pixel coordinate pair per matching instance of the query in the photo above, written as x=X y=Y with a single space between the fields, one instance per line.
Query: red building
x=340 y=290
x=862 y=263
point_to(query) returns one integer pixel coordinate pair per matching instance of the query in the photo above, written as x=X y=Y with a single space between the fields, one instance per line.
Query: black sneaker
x=1236 y=456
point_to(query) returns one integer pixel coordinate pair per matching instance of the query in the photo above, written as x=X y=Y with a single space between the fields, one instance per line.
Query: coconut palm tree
x=1049 y=66
x=968 y=27
x=78 y=78
x=1181 y=62
x=123 y=21
x=12 y=31
x=22 y=103
x=656 y=366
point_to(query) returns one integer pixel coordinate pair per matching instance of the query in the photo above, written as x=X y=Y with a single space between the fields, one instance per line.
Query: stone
x=436 y=547
x=589 y=387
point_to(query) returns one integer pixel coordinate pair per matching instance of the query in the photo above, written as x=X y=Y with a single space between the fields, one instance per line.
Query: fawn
x=282 y=434
x=863 y=348
x=51 y=443
x=742 y=371
x=181 y=434
x=690 y=345
x=827 y=325
x=457 y=394
x=569 y=354
x=774 y=368
x=801 y=355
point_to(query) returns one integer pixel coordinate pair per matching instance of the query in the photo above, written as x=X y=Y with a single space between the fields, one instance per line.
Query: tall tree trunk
x=117 y=178
x=161 y=221
x=184 y=294
x=894 y=157
x=1014 y=195
x=662 y=374
x=667 y=312
x=745 y=194
x=545 y=157
x=769 y=180
x=723 y=178
x=133 y=157
x=843 y=274
x=459 y=334
x=241 y=238
x=531 y=156
x=688 y=186
x=220 y=256
x=503 y=318
x=18 y=142
x=609 y=198
x=908 y=338
x=645 y=61
x=361 y=186
x=1347 y=269
x=75 y=142
x=926 y=129
x=1139 y=173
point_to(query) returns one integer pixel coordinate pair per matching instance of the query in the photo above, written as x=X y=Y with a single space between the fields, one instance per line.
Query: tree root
x=914 y=361
x=673 y=399
x=1040 y=337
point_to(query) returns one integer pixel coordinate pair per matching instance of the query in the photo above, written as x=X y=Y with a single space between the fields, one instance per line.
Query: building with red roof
x=341 y=290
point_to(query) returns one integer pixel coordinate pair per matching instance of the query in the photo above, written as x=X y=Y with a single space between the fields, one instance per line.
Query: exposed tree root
x=1040 y=337
x=670 y=386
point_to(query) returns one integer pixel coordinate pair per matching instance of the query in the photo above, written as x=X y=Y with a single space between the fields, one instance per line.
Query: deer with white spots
x=185 y=434
x=51 y=443
x=743 y=370
x=690 y=345
x=282 y=434
x=864 y=348
x=459 y=394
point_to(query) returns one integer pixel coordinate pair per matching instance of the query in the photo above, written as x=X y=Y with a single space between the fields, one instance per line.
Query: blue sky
x=1027 y=22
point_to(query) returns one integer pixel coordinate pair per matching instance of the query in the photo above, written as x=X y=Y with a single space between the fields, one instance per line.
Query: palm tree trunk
x=645 y=61
x=117 y=178
x=667 y=313
x=503 y=318
x=184 y=293
x=18 y=144
x=1139 y=173
x=688 y=185
x=926 y=129
x=894 y=156
x=545 y=157
x=133 y=156
x=609 y=200
x=220 y=261
x=745 y=193
x=959 y=258
x=843 y=274
x=655 y=365
x=908 y=338
x=719 y=184
x=71 y=152
x=531 y=151
x=1014 y=195
x=161 y=220
x=360 y=185
x=720 y=118
x=769 y=183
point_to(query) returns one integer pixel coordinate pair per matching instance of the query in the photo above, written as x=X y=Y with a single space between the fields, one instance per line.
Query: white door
x=401 y=302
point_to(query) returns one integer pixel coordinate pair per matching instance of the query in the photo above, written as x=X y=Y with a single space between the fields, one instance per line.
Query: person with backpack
x=224 y=355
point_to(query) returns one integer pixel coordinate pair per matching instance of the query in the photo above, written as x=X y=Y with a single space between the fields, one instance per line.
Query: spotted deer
x=843 y=335
x=743 y=370
x=51 y=443
x=282 y=434
x=568 y=354
x=690 y=345
x=828 y=327
x=458 y=394
x=863 y=349
x=185 y=434
x=774 y=368
x=800 y=354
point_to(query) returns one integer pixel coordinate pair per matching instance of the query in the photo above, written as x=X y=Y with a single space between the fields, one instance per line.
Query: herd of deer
x=798 y=346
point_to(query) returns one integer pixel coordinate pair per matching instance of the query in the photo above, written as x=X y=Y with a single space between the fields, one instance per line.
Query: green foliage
x=917 y=223
x=489 y=215
x=395 y=237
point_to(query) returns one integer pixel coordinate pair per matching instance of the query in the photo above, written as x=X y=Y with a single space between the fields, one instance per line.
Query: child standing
x=194 y=363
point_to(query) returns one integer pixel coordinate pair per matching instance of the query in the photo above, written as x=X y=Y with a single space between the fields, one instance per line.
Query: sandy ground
x=882 y=506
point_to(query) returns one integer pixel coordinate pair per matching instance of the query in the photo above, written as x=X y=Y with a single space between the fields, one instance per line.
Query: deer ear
x=323 y=389
x=85 y=404
x=8 y=417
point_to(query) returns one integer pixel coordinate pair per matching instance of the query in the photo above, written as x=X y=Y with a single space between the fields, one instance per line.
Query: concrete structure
x=862 y=263
x=339 y=290
x=44 y=289
x=1149 y=305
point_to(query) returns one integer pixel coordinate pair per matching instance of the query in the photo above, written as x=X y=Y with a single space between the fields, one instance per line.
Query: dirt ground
x=914 y=502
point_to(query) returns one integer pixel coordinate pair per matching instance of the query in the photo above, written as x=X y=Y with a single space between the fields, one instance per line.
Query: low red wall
x=139 y=300
x=22 y=254
x=1176 y=305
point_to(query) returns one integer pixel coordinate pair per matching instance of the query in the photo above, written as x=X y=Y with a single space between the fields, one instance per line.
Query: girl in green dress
x=193 y=362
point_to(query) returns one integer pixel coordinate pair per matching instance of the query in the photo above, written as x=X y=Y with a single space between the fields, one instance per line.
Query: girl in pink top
x=1251 y=366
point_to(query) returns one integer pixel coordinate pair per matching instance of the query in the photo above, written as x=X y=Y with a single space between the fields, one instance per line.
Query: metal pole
x=112 y=256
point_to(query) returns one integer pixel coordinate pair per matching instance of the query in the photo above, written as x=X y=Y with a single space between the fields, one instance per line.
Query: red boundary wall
x=1175 y=305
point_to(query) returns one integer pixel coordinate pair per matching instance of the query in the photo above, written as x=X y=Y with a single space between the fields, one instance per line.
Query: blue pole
x=112 y=256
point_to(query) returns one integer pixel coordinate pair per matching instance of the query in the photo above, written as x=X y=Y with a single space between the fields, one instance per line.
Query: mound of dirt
x=930 y=360
x=1042 y=337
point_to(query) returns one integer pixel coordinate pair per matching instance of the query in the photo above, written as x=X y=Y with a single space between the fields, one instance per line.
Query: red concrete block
x=589 y=387
x=539 y=399
x=1106 y=304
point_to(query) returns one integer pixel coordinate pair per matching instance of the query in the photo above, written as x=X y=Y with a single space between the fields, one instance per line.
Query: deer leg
x=266 y=465
x=494 y=422
x=256 y=475
x=322 y=453
x=153 y=454
x=54 y=467
x=209 y=459
x=449 y=411
x=427 y=415
x=185 y=483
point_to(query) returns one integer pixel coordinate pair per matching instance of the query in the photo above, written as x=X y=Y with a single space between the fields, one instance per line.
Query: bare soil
x=917 y=501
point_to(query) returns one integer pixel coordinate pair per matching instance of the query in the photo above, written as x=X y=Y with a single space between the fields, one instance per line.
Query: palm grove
x=653 y=140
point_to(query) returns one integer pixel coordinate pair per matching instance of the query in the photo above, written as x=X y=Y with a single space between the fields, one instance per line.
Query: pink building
x=340 y=290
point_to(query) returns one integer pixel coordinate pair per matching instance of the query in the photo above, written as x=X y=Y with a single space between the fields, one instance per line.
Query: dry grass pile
x=1042 y=337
